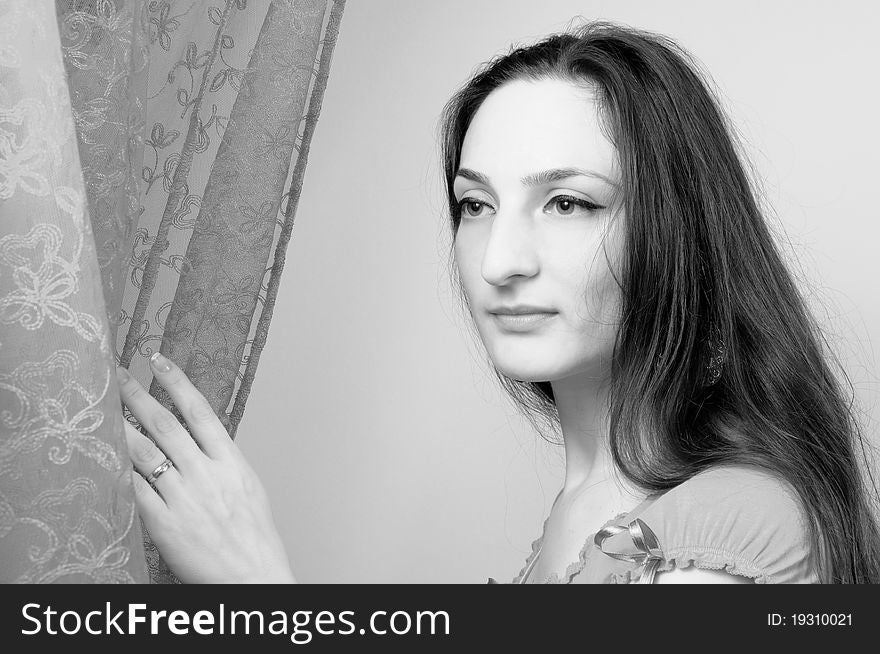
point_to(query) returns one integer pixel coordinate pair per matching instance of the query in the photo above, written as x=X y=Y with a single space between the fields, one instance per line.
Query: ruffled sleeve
x=739 y=519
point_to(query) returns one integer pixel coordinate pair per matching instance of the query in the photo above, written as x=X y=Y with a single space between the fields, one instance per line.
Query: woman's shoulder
x=739 y=519
x=753 y=493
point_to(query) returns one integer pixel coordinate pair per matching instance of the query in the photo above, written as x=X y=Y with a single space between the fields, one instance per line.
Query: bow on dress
x=649 y=555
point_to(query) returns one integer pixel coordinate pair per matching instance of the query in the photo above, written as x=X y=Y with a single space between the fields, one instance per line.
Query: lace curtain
x=151 y=158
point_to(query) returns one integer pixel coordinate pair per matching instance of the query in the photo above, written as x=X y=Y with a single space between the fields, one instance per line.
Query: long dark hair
x=703 y=286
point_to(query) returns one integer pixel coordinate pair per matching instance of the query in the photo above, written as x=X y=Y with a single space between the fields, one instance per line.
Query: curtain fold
x=151 y=157
x=67 y=508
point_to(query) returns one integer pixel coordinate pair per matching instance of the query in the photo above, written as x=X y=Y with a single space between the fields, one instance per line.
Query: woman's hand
x=208 y=514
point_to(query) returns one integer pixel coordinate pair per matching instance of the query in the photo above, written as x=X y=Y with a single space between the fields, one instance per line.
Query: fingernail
x=122 y=375
x=160 y=363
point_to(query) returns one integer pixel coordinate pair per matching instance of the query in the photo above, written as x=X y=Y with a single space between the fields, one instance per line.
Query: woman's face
x=536 y=190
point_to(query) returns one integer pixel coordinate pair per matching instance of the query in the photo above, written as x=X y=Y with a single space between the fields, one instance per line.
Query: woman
x=621 y=277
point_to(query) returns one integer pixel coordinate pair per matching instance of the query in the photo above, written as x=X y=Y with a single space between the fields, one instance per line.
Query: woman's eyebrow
x=474 y=176
x=558 y=174
x=537 y=179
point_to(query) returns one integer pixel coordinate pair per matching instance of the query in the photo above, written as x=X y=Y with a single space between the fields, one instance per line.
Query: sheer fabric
x=151 y=159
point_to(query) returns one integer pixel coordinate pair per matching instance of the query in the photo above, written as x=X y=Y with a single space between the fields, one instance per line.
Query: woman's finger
x=147 y=457
x=151 y=506
x=204 y=424
x=170 y=435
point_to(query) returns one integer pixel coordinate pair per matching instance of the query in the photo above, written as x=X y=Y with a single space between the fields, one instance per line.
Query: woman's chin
x=529 y=371
x=522 y=373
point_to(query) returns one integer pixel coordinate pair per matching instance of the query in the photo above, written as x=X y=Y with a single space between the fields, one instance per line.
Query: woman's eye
x=473 y=208
x=566 y=205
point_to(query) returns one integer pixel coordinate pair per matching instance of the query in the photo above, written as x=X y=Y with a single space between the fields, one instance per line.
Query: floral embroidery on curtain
x=154 y=150
x=67 y=508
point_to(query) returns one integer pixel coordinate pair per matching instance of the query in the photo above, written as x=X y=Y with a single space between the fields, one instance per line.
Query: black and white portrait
x=438 y=292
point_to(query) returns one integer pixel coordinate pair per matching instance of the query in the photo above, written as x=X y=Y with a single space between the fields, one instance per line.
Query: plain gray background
x=388 y=451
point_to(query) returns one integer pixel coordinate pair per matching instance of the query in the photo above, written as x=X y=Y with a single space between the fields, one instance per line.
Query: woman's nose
x=510 y=250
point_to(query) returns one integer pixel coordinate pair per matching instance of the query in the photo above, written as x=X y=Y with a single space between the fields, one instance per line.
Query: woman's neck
x=582 y=404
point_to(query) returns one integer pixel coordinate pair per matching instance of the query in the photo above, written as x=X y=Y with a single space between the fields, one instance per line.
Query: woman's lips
x=523 y=322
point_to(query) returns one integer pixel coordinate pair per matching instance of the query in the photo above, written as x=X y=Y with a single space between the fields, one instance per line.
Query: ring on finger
x=160 y=470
